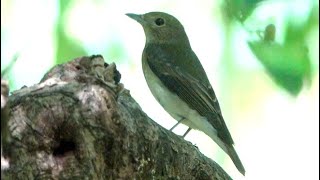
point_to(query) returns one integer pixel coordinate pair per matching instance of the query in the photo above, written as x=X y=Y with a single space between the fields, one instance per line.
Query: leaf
x=287 y=64
x=240 y=9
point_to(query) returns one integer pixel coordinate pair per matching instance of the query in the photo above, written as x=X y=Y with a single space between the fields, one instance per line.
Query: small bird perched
x=178 y=81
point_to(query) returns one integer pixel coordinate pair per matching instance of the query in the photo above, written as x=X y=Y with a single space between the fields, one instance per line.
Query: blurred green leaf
x=67 y=48
x=296 y=33
x=288 y=65
x=7 y=69
x=240 y=9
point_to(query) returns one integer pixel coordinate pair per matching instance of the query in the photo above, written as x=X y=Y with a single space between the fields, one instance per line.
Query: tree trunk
x=80 y=123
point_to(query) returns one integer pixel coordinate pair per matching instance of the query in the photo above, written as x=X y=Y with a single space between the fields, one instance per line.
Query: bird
x=179 y=82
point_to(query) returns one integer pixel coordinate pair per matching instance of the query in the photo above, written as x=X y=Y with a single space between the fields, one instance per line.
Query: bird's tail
x=235 y=158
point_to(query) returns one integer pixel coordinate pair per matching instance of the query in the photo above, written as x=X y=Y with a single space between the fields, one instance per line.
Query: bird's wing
x=192 y=91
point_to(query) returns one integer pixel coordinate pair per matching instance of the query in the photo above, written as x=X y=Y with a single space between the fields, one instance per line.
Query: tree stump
x=80 y=122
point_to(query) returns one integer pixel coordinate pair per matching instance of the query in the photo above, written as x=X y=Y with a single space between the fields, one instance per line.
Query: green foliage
x=287 y=64
x=6 y=71
x=240 y=9
x=66 y=48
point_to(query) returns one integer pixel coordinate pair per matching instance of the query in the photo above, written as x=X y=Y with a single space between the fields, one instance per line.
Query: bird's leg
x=184 y=135
x=177 y=123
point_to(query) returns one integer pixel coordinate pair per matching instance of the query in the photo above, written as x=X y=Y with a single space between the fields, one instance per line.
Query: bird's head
x=161 y=27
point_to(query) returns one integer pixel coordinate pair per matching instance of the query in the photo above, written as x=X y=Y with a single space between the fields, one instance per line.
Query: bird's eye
x=159 y=21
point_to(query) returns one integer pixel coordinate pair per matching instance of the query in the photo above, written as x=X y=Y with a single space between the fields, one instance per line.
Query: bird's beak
x=136 y=17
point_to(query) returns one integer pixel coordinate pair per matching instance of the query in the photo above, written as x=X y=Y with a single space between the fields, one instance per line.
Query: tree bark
x=80 y=123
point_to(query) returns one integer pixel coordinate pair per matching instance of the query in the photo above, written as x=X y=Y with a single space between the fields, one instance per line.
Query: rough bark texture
x=80 y=123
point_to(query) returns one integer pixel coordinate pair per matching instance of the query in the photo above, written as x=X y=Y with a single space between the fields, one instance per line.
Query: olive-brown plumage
x=178 y=81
